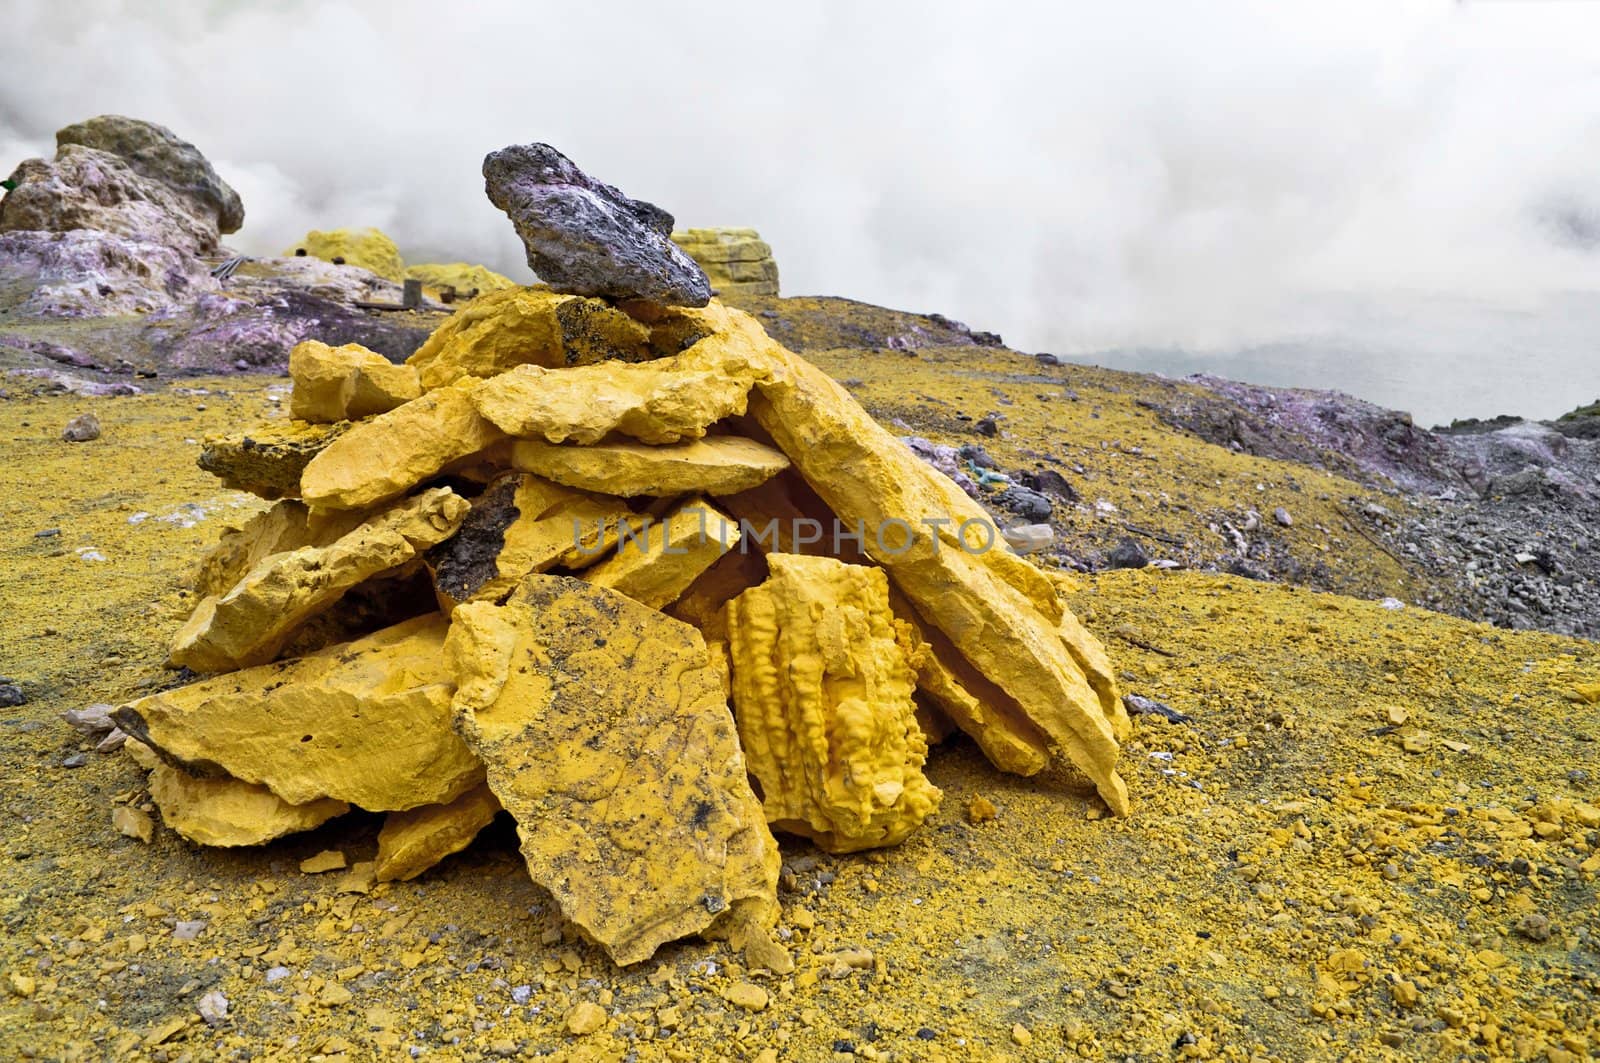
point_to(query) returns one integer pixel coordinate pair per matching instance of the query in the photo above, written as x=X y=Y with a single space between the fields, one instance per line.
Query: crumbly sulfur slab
x=716 y=465
x=285 y=525
x=367 y=722
x=346 y=383
x=250 y=623
x=270 y=459
x=822 y=689
x=659 y=563
x=384 y=457
x=662 y=401
x=607 y=735
x=413 y=841
x=224 y=811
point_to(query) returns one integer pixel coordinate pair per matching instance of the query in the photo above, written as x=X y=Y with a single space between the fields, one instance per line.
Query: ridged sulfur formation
x=999 y=612
x=607 y=735
x=822 y=685
x=736 y=261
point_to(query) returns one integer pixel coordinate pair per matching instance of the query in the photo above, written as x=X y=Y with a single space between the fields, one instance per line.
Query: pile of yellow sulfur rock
x=736 y=261
x=638 y=577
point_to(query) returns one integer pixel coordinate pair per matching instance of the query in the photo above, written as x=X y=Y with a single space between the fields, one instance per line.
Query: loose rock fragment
x=133 y=822
x=412 y=842
x=249 y=624
x=822 y=690
x=327 y=860
x=386 y=456
x=213 y=1008
x=82 y=429
x=586 y=237
x=607 y=735
x=658 y=564
x=585 y=1019
x=91 y=721
x=227 y=812
x=527 y=326
x=664 y=401
x=346 y=383
x=521 y=524
x=270 y=460
x=716 y=465
x=367 y=722
x=1002 y=619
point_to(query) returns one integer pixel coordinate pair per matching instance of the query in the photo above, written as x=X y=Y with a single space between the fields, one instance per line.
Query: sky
x=1200 y=182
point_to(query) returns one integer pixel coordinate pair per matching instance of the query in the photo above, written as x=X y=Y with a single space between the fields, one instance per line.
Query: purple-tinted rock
x=585 y=237
x=158 y=153
x=89 y=273
x=84 y=188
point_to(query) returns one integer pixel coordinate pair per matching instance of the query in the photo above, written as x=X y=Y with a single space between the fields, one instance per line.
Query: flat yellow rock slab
x=367 y=722
x=228 y=812
x=607 y=735
x=346 y=383
x=663 y=401
x=412 y=842
x=998 y=612
x=527 y=326
x=286 y=525
x=250 y=623
x=716 y=465
x=659 y=563
x=270 y=460
x=521 y=524
x=385 y=457
x=822 y=689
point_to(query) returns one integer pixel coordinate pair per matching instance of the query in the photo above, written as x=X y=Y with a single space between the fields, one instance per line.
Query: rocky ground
x=1487 y=520
x=1362 y=828
x=1375 y=835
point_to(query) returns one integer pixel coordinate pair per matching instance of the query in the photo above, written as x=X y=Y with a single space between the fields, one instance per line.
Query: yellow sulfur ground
x=1376 y=840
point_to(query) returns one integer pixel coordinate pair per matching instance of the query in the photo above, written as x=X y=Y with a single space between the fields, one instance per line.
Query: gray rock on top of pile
x=584 y=237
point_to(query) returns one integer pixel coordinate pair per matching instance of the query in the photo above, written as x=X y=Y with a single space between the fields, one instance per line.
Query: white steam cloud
x=1078 y=176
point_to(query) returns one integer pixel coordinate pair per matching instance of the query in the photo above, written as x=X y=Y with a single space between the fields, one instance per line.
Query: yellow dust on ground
x=1376 y=838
